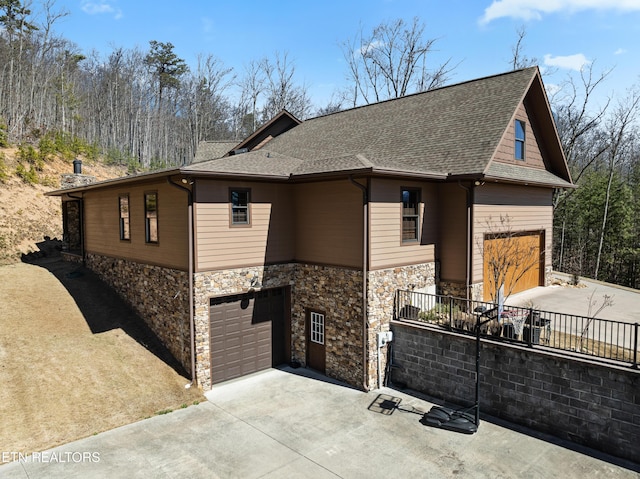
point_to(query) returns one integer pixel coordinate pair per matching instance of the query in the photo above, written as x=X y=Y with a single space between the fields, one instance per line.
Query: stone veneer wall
x=335 y=291
x=338 y=293
x=160 y=296
x=75 y=180
x=382 y=288
x=210 y=284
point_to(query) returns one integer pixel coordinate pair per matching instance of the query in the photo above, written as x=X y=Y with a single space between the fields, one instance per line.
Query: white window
x=317 y=328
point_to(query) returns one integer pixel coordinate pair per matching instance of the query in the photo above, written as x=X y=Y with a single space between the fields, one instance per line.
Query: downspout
x=190 y=274
x=469 y=192
x=365 y=274
x=81 y=213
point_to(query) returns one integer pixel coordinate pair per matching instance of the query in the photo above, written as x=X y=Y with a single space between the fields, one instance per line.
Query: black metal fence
x=599 y=338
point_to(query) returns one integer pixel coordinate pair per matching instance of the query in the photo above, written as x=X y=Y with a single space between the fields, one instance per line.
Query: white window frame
x=317 y=328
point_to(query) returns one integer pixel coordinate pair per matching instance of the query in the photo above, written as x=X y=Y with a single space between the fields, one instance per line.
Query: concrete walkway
x=292 y=423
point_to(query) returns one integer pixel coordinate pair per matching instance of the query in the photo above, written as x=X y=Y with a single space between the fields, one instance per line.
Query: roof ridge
x=425 y=92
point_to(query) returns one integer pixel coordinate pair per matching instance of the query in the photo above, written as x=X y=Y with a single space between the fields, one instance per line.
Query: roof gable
x=545 y=143
x=279 y=124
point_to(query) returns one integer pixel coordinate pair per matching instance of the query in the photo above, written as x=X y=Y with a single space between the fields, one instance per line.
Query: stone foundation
x=459 y=290
x=382 y=288
x=335 y=291
x=548 y=275
x=222 y=283
x=338 y=293
x=160 y=296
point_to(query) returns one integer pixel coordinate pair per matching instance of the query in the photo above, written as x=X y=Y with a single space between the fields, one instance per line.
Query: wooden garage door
x=247 y=333
x=519 y=256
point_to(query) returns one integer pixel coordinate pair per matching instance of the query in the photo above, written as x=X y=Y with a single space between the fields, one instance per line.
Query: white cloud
x=535 y=9
x=374 y=45
x=94 y=8
x=620 y=51
x=569 y=62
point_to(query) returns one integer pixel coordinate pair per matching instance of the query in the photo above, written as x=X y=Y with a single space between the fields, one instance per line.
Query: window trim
x=418 y=192
x=121 y=218
x=232 y=222
x=317 y=335
x=147 y=223
x=520 y=141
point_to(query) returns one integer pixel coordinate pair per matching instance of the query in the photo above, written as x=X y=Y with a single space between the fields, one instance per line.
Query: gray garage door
x=247 y=333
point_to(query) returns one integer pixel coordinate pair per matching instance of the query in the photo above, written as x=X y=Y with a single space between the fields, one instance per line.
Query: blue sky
x=476 y=34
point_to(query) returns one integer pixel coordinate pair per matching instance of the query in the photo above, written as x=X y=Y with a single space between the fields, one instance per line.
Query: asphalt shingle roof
x=449 y=131
x=210 y=150
x=453 y=130
x=523 y=174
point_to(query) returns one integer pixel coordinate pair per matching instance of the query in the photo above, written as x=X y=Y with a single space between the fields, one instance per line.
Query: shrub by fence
x=599 y=338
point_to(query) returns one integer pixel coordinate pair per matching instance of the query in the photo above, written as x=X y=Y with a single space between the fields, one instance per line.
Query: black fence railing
x=599 y=338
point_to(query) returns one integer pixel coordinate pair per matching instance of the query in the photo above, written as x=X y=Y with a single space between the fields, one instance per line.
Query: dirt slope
x=26 y=214
x=74 y=359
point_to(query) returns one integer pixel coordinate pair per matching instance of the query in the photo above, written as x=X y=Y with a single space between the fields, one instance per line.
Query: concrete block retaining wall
x=590 y=403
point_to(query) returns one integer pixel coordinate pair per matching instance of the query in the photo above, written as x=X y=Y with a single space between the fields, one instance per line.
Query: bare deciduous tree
x=246 y=112
x=506 y=257
x=518 y=58
x=392 y=61
x=607 y=301
x=281 y=89
x=578 y=123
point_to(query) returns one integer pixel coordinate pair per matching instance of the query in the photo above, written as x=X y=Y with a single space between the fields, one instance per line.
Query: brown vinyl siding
x=452 y=232
x=267 y=239
x=529 y=209
x=386 y=246
x=329 y=223
x=102 y=225
x=505 y=153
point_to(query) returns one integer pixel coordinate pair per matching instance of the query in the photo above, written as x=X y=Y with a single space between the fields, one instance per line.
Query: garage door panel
x=242 y=328
x=523 y=269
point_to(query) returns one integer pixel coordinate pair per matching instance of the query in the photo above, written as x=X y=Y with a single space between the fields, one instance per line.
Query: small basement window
x=317 y=328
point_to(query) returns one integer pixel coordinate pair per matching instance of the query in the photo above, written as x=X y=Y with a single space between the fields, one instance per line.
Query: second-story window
x=125 y=233
x=151 y=217
x=410 y=215
x=520 y=137
x=240 y=199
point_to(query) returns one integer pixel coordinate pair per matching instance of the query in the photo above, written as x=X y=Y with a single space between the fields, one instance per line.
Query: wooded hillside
x=149 y=109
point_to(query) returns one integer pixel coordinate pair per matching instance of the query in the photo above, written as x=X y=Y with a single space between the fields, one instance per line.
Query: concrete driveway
x=625 y=308
x=575 y=300
x=292 y=423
